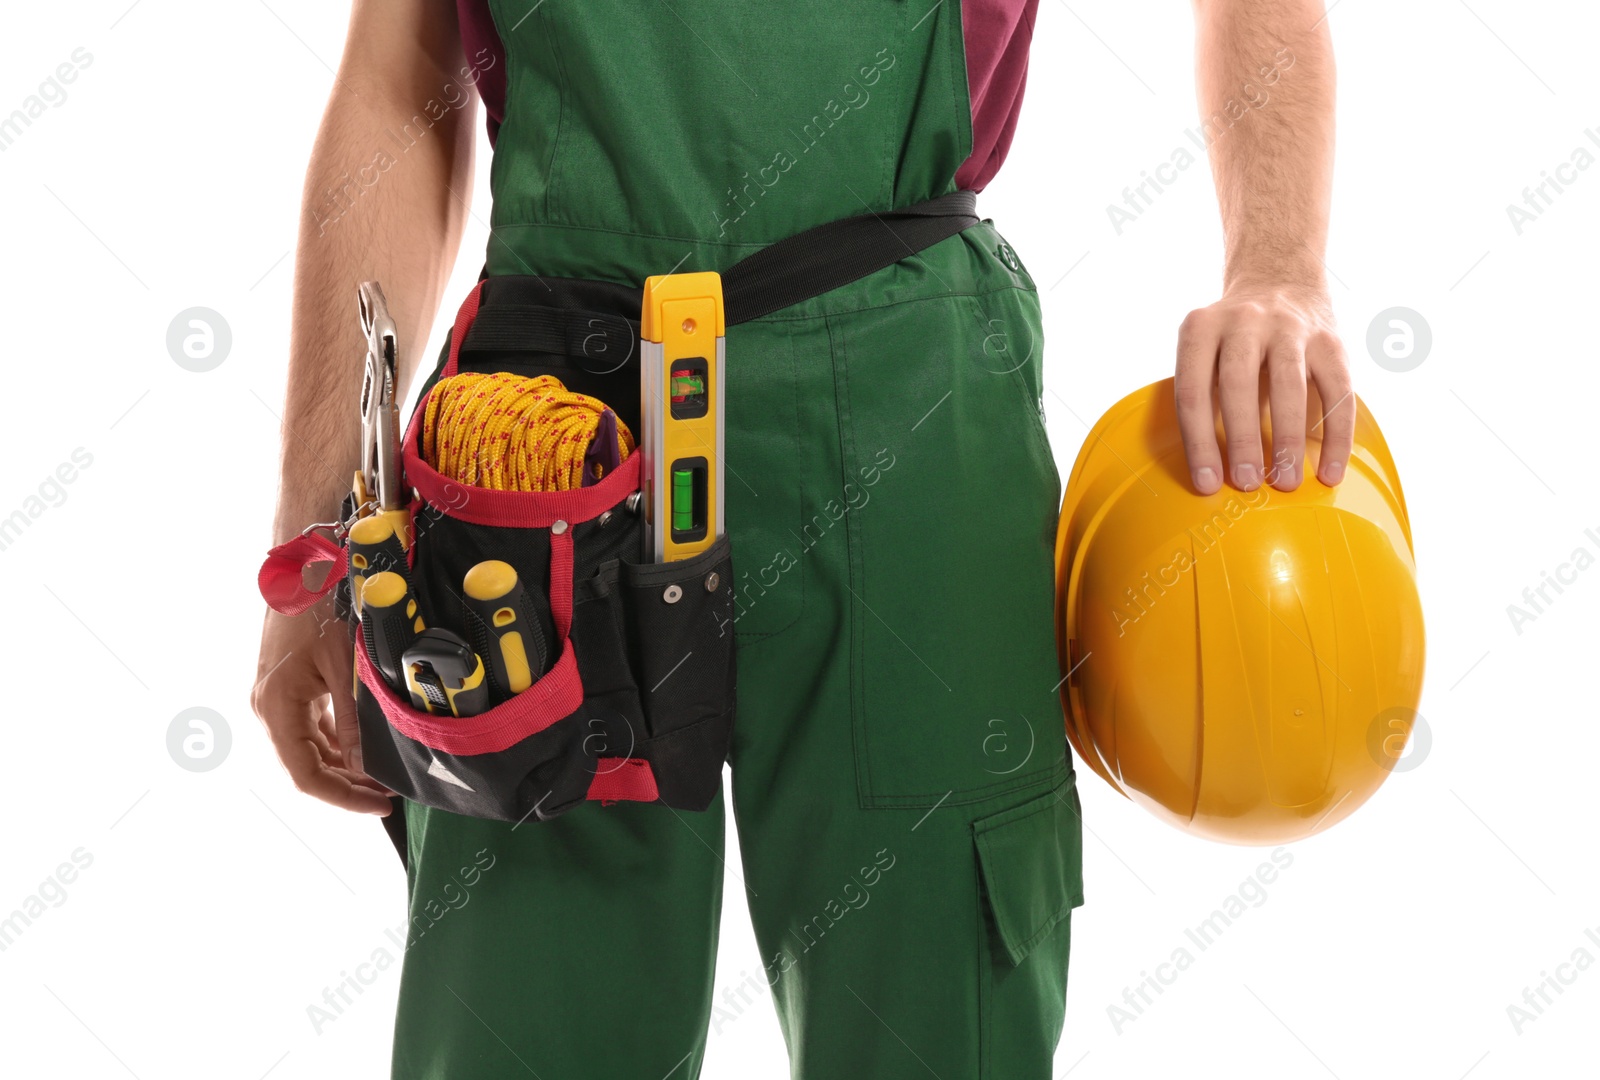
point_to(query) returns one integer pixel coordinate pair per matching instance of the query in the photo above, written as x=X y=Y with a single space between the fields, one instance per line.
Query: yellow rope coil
x=512 y=433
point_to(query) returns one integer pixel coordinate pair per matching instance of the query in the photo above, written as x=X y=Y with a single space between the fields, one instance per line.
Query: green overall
x=907 y=811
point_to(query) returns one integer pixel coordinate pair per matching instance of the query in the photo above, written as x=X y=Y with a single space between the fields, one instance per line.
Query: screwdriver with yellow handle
x=504 y=630
x=375 y=548
x=390 y=623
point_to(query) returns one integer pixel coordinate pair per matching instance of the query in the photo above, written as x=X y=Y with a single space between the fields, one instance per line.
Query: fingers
x=290 y=701
x=1286 y=379
x=341 y=719
x=1325 y=359
x=1198 y=340
x=346 y=729
x=1239 y=379
x=290 y=725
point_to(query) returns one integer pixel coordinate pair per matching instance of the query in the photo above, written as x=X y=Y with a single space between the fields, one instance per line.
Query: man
x=905 y=801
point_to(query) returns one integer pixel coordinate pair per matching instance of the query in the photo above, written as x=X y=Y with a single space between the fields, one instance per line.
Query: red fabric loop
x=282 y=581
x=623 y=780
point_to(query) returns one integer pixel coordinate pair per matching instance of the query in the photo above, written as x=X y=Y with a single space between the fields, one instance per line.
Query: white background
x=218 y=905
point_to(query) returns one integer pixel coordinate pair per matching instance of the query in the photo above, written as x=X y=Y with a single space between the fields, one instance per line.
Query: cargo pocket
x=1030 y=872
x=952 y=564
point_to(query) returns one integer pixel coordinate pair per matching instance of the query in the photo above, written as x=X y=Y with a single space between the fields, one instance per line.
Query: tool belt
x=634 y=667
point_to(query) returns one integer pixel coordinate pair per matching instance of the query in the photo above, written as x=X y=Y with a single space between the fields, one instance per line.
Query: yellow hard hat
x=1245 y=665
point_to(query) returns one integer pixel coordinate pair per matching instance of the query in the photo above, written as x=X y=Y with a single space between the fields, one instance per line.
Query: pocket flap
x=1031 y=857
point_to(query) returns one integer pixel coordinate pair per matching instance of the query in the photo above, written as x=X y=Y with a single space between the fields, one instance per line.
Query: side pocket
x=1030 y=871
x=1031 y=860
x=952 y=565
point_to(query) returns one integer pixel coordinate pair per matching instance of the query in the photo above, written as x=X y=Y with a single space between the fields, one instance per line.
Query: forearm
x=380 y=202
x=1265 y=79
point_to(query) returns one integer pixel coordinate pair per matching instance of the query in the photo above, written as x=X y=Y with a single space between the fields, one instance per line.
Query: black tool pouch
x=633 y=662
x=635 y=696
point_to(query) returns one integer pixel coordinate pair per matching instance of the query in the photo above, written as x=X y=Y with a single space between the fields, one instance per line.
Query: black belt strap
x=827 y=256
x=585 y=318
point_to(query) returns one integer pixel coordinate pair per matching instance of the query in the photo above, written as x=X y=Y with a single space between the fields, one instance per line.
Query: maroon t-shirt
x=996 y=34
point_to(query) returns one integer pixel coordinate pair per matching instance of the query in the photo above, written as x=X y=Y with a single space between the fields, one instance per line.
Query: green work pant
x=906 y=807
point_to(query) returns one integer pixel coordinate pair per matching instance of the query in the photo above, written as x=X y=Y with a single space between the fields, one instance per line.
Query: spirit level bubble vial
x=682 y=356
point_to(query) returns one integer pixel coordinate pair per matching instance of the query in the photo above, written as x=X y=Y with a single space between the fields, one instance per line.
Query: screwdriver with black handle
x=375 y=548
x=390 y=624
x=504 y=630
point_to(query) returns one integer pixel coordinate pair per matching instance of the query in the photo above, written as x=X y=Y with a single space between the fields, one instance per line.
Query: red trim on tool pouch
x=623 y=780
x=519 y=509
x=464 y=316
x=458 y=333
x=557 y=694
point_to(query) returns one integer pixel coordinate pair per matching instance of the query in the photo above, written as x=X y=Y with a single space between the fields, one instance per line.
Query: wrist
x=1305 y=290
x=1304 y=274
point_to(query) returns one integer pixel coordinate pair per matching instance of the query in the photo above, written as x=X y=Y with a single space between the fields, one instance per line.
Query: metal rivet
x=605 y=519
x=673 y=594
x=558 y=528
x=713 y=579
x=634 y=501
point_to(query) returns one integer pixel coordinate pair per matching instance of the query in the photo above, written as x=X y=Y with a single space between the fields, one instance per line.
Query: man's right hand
x=303 y=696
x=403 y=232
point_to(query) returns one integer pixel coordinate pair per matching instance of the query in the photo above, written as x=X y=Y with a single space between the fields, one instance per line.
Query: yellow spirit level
x=681 y=362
